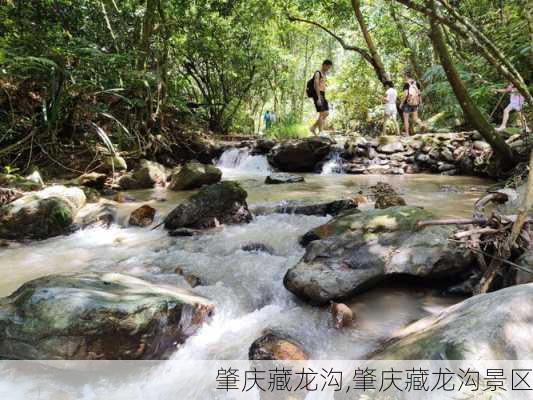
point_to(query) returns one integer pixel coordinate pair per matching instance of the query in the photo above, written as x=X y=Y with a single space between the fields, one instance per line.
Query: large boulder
x=494 y=326
x=142 y=216
x=146 y=176
x=276 y=346
x=301 y=155
x=356 y=251
x=97 y=316
x=194 y=175
x=40 y=215
x=221 y=203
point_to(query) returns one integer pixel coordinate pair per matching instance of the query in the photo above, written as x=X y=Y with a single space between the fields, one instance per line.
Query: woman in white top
x=516 y=104
x=391 y=111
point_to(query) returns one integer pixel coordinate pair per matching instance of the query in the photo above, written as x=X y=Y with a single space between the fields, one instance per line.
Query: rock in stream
x=97 y=316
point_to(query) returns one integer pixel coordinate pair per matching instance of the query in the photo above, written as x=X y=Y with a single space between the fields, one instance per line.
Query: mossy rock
x=223 y=202
x=357 y=250
x=97 y=316
x=484 y=327
x=194 y=175
x=18 y=182
x=41 y=215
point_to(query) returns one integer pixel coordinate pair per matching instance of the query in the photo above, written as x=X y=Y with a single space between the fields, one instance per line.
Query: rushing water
x=246 y=287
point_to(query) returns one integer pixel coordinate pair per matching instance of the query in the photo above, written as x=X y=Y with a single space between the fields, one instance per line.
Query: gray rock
x=194 y=175
x=223 y=203
x=301 y=155
x=276 y=179
x=321 y=209
x=92 y=180
x=97 y=215
x=355 y=251
x=494 y=326
x=40 y=215
x=257 y=248
x=97 y=316
x=20 y=183
x=146 y=176
x=390 y=148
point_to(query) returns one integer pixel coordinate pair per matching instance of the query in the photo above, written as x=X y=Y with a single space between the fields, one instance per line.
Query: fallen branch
x=477 y=231
x=468 y=221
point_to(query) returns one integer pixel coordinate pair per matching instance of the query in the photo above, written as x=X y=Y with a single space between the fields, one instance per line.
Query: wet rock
x=98 y=215
x=342 y=315
x=142 y=216
x=194 y=175
x=444 y=166
x=92 y=180
x=322 y=209
x=276 y=346
x=222 y=203
x=301 y=155
x=146 y=176
x=193 y=280
x=354 y=169
x=97 y=316
x=8 y=195
x=356 y=251
x=386 y=196
x=20 y=183
x=40 y=215
x=123 y=198
x=263 y=147
x=257 y=248
x=494 y=326
x=276 y=179
x=92 y=195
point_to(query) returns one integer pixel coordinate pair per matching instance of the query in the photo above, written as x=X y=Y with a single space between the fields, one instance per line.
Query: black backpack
x=310 y=91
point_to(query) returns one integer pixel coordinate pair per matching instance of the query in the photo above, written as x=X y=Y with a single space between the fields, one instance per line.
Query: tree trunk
x=472 y=113
x=378 y=63
x=405 y=41
x=480 y=42
x=146 y=33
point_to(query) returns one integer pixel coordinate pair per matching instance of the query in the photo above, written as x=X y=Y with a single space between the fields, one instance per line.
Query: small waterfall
x=334 y=165
x=240 y=161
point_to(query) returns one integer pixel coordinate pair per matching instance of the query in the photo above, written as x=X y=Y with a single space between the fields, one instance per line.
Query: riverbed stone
x=221 y=203
x=97 y=215
x=92 y=180
x=97 y=316
x=142 y=216
x=386 y=196
x=146 y=176
x=280 y=178
x=331 y=208
x=40 y=215
x=276 y=346
x=194 y=175
x=493 y=326
x=357 y=250
x=300 y=155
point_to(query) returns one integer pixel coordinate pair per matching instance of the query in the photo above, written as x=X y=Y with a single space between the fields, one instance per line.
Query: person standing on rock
x=316 y=89
x=516 y=104
x=390 y=112
x=412 y=100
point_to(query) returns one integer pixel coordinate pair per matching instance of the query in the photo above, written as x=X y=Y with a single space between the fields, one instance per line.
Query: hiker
x=316 y=89
x=391 y=112
x=516 y=104
x=412 y=99
x=268 y=120
x=273 y=118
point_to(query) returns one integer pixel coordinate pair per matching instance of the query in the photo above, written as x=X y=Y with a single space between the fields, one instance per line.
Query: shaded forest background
x=90 y=77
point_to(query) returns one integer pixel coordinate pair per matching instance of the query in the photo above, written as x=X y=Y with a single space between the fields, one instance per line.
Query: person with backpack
x=390 y=112
x=412 y=99
x=268 y=120
x=316 y=90
x=516 y=104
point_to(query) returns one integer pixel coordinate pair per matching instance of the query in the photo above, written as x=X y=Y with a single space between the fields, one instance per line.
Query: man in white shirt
x=391 y=95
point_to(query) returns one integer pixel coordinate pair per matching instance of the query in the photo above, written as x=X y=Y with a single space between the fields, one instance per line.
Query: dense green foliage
x=118 y=74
